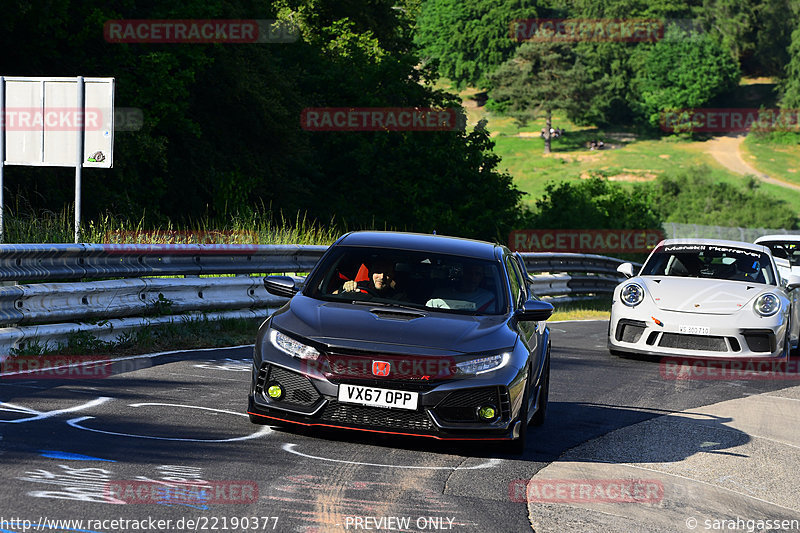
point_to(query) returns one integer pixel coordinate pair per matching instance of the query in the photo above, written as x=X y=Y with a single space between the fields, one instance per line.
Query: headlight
x=291 y=346
x=767 y=304
x=632 y=294
x=483 y=364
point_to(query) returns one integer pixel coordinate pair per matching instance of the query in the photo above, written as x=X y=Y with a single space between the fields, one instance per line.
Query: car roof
x=422 y=242
x=717 y=242
x=778 y=238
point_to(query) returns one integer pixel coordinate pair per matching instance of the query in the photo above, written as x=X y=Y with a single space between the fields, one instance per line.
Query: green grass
x=257 y=228
x=594 y=309
x=781 y=162
x=184 y=335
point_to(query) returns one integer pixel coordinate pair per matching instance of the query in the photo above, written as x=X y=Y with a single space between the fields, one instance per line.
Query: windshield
x=710 y=261
x=785 y=250
x=421 y=280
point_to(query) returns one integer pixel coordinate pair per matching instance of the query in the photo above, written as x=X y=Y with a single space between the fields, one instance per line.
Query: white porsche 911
x=704 y=298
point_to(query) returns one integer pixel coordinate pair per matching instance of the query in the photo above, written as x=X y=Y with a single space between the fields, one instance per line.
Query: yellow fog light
x=275 y=391
x=487 y=412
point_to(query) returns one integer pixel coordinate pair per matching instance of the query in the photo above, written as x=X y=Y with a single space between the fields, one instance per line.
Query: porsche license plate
x=375 y=397
x=694 y=330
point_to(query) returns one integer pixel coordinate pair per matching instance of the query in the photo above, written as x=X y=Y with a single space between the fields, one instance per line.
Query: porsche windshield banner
x=598 y=241
x=706 y=248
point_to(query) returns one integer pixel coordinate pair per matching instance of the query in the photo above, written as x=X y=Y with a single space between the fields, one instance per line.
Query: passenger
x=467 y=291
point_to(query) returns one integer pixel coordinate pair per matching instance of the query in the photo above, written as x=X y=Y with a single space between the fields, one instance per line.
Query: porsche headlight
x=291 y=346
x=483 y=364
x=767 y=304
x=632 y=294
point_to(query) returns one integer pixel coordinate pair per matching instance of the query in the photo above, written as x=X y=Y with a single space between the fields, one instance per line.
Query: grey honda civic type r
x=409 y=334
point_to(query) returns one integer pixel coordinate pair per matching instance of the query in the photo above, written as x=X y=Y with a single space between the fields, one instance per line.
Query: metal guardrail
x=44 y=262
x=48 y=304
x=583 y=274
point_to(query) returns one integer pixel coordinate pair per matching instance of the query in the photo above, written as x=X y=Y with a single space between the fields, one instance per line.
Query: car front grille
x=375 y=417
x=462 y=405
x=299 y=392
x=707 y=343
x=393 y=384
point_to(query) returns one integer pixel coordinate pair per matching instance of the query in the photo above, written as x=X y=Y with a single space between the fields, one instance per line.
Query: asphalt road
x=97 y=448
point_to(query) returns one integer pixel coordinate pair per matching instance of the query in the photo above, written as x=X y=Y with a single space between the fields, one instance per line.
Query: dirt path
x=727 y=150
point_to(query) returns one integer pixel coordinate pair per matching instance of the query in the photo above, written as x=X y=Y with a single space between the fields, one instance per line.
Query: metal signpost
x=56 y=122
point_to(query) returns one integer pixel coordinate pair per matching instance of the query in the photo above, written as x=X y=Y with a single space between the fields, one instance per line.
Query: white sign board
x=43 y=121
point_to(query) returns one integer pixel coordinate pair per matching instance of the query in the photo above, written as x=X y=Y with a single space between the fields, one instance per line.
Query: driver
x=381 y=282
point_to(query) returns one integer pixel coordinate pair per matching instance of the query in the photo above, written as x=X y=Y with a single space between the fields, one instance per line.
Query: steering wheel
x=368 y=290
x=364 y=289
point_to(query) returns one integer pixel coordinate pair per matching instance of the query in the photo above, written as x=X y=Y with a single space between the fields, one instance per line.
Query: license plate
x=378 y=397
x=694 y=330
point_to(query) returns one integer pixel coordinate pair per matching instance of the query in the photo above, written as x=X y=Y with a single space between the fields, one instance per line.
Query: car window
x=710 y=261
x=417 y=279
x=785 y=250
x=515 y=278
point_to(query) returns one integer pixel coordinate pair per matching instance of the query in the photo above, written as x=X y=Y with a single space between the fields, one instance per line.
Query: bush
x=594 y=203
x=691 y=197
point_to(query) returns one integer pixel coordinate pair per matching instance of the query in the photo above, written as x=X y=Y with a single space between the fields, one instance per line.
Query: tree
x=681 y=71
x=593 y=203
x=468 y=39
x=755 y=33
x=790 y=85
x=539 y=78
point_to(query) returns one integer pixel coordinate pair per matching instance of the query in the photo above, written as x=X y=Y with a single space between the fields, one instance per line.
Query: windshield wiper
x=393 y=305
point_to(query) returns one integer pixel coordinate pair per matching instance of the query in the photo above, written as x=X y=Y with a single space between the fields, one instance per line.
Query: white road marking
x=265 y=430
x=41 y=415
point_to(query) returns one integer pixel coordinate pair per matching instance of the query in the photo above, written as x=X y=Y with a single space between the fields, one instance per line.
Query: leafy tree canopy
x=681 y=71
x=468 y=39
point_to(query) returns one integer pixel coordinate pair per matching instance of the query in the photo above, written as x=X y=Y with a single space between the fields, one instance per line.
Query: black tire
x=544 y=394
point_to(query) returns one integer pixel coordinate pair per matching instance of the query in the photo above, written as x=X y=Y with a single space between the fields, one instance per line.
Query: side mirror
x=534 y=311
x=626 y=269
x=281 y=286
x=792 y=282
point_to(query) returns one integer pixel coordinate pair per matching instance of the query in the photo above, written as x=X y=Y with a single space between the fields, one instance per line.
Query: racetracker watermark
x=608 y=241
x=52 y=119
x=723 y=120
x=586 y=491
x=583 y=30
x=195 y=31
x=688 y=369
x=419 y=368
x=128 y=119
x=68 y=366
x=380 y=119
x=164 y=492
x=55 y=367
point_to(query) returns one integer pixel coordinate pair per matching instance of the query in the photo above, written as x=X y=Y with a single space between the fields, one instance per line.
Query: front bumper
x=447 y=410
x=729 y=337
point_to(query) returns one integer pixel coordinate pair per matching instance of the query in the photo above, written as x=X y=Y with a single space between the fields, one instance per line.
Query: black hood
x=392 y=330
